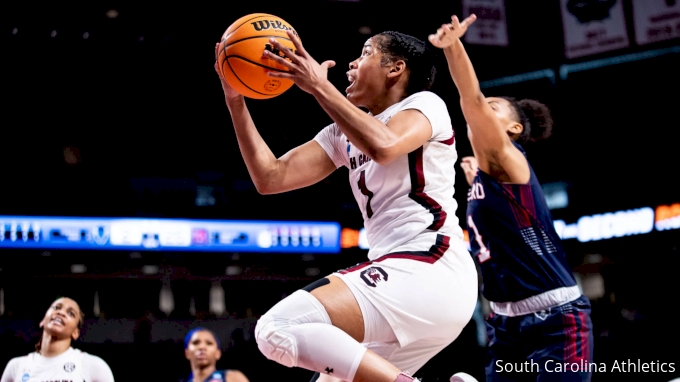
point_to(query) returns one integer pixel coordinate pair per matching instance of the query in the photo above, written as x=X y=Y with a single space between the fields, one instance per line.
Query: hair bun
x=539 y=118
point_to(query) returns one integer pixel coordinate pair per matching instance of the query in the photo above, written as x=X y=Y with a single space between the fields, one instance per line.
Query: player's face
x=202 y=349
x=505 y=113
x=366 y=76
x=62 y=318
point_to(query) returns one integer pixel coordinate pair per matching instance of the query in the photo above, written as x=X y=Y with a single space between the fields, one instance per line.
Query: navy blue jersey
x=513 y=238
x=216 y=376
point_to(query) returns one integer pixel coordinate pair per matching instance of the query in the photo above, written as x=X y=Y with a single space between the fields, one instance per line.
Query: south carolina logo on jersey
x=373 y=275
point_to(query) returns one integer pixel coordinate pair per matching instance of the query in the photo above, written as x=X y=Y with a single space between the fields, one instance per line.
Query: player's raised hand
x=449 y=33
x=302 y=68
x=469 y=166
x=229 y=92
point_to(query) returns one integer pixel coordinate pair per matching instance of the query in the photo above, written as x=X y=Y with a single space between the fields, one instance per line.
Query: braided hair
x=419 y=58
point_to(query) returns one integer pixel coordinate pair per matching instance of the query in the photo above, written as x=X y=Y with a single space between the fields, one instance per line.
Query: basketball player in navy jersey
x=539 y=318
x=374 y=321
x=54 y=359
x=202 y=349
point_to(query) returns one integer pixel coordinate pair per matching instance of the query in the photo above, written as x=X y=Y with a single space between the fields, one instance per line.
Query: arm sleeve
x=330 y=140
x=10 y=373
x=98 y=369
x=434 y=108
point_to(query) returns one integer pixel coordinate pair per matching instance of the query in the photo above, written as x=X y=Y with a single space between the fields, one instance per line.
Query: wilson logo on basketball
x=273 y=24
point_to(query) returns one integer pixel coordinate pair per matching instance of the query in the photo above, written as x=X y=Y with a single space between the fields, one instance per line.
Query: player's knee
x=274 y=343
x=278 y=330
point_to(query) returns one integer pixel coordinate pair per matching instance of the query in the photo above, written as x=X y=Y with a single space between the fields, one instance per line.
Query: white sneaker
x=462 y=377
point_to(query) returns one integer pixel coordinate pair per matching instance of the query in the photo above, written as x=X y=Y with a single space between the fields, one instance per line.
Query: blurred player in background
x=54 y=359
x=538 y=312
x=202 y=349
x=381 y=320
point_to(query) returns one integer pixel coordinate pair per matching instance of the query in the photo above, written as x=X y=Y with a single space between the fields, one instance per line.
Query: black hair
x=535 y=118
x=418 y=56
x=81 y=322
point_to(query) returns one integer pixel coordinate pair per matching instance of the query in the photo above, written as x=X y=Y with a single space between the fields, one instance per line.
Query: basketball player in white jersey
x=54 y=359
x=381 y=320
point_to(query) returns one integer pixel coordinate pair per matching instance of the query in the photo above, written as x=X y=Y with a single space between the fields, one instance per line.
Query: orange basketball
x=240 y=55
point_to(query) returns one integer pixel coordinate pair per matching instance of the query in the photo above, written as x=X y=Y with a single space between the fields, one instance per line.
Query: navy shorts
x=552 y=345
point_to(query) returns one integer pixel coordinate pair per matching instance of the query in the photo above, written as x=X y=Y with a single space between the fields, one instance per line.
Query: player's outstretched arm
x=383 y=143
x=302 y=166
x=491 y=143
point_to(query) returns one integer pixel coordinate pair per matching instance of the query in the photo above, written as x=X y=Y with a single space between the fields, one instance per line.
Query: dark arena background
x=113 y=110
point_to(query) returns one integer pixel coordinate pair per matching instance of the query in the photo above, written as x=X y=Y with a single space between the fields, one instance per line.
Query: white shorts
x=415 y=303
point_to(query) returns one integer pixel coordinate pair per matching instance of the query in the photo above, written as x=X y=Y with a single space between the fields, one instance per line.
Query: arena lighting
x=621 y=223
x=667 y=217
x=608 y=225
x=138 y=234
x=605 y=226
x=572 y=68
x=564 y=70
x=536 y=75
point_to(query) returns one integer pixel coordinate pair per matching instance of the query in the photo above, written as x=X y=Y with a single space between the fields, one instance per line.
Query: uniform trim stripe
x=449 y=141
x=577 y=333
x=521 y=208
x=527 y=196
x=436 y=252
x=415 y=167
x=585 y=336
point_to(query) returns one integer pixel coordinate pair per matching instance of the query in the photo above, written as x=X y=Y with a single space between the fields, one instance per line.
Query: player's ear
x=76 y=334
x=398 y=67
x=218 y=355
x=515 y=128
x=187 y=354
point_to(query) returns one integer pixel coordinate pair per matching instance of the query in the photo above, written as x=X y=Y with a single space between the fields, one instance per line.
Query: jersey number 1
x=484 y=253
x=367 y=192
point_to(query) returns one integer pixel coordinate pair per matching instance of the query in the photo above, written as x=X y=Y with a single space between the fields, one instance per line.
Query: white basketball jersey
x=66 y=367
x=411 y=196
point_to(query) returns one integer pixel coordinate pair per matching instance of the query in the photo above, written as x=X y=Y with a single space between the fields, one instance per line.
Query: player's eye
x=70 y=313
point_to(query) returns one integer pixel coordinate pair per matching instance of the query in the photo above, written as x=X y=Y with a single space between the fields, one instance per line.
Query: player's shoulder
x=331 y=129
x=96 y=367
x=18 y=360
x=426 y=96
x=12 y=367
x=233 y=375
x=90 y=357
x=93 y=362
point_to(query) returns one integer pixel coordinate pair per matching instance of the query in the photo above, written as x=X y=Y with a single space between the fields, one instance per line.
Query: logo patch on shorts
x=543 y=314
x=373 y=275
